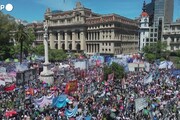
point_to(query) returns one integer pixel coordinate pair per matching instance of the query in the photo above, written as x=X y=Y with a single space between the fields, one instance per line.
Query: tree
x=25 y=37
x=57 y=55
x=7 y=25
x=115 y=68
x=150 y=57
x=158 y=49
x=39 y=50
x=29 y=41
x=20 y=37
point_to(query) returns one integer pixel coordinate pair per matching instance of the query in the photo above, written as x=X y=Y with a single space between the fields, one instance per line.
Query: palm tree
x=20 y=37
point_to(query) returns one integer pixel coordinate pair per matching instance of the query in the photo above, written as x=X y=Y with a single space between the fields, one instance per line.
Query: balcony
x=171 y=32
x=175 y=43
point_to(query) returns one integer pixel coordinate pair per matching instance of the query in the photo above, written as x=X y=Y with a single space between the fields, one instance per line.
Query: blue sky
x=33 y=10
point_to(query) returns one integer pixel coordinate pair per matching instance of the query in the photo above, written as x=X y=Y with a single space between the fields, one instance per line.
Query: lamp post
x=46 y=75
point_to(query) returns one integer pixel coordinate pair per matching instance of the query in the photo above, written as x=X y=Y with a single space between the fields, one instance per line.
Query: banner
x=60 y=101
x=148 y=79
x=2 y=70
x=146 y=66
x=140 y=103
x=72 y=112
x=2 y=82
x=44 y=101
x=71 y=86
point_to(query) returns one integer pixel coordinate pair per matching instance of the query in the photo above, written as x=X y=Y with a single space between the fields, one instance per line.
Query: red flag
x=10 y=88
x=71 y=86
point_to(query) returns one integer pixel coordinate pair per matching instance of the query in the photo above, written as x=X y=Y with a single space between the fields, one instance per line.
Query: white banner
x=80 y=64
x=148 y=79
x=140 y=103
x=2 y=82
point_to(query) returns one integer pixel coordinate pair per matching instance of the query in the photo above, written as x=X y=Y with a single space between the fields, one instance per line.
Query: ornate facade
x=81 y=29
x=148 y=34
x=171 y=35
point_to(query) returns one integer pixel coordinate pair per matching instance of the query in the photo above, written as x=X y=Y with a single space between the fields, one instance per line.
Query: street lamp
x=46 y=75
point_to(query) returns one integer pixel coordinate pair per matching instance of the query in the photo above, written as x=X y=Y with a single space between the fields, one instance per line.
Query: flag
x=148 y=79
x=140 y=103
x=71 y=86
x=10 y=88
x=111 y=77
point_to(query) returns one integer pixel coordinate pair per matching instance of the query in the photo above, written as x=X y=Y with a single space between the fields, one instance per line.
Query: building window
x=151 y=35
x=106 y=44
x=109 y=49
x=155 y=35
x=147 y=40
x=106 y=49
x=78 y=35
x=109 y=44
x=102 y=49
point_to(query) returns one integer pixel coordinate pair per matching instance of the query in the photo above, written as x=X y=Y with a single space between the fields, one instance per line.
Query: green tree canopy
x=7 y=25
x=115 y=68
x=57 y=55
x=39 y=50
x=24 y=38
x=156 y=51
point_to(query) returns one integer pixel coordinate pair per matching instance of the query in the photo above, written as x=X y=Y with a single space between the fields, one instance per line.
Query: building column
x=66 y=41
x=88 y=36
x=108 y=35
x=73 y=40
x=97 y=48
x=60 y=37
x=51 y=39
x=100 y=35
x=97 y=38
x=175 y=39
x=91 y=36
x=82 y=39
x=92 y=48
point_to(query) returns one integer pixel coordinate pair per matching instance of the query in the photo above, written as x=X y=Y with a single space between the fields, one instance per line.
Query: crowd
x=96 y=98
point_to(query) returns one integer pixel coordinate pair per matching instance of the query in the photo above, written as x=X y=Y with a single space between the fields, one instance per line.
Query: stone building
x=81 y=30
x=171 y=35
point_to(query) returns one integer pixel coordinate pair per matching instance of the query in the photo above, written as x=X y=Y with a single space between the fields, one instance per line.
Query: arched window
x=56 y=46
x=63 y=46
x=70 y=46
x=78 y=47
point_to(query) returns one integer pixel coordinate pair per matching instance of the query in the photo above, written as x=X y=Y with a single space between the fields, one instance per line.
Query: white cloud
x=58 y=4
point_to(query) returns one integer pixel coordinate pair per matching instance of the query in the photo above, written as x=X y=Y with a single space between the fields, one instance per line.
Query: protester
x=84 y=94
